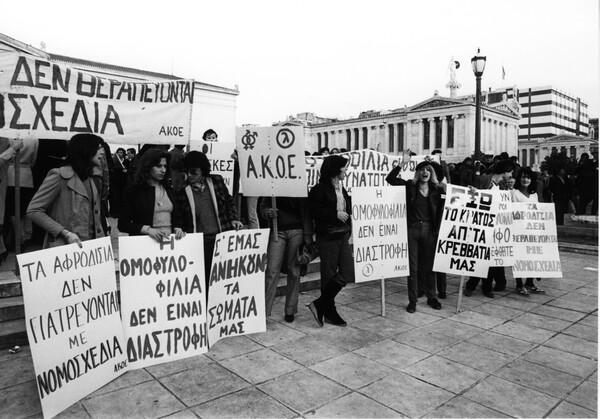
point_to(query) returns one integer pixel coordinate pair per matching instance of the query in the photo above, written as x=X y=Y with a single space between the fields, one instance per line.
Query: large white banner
x=236 y=298
x=535 y=241
x=219 y=156
x=272 y=161
x=379 y=233
x=366 y=168
x=73 y=321
x=43 y=99
x=163 y=298
x=464 y=241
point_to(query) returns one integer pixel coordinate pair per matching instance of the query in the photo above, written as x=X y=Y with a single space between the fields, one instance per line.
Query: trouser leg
x=295 y=239
x=275 y=257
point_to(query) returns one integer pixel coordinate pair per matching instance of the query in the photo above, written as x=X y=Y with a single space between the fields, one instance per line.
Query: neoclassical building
x=444 y=123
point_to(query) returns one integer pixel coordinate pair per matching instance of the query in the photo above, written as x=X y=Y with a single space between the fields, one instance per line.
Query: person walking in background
x=149 y=204
x=330 y=208
x=27 y=159
x=294 y=228
x=525 y=191
x=118 y=182
x=67 y=204
x=560 y=190
x=203 y=205
x=8 y=149
x=423 y=195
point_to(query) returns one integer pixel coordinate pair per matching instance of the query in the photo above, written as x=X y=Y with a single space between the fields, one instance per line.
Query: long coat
x=61 y=203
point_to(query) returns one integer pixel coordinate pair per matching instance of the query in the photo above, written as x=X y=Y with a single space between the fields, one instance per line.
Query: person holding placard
x=423 y=196
x=525 y=191
x=294 y=228
x=330 y=208
x=148 y=202
x=203 y=205
x=502 y=171
x=67 y=204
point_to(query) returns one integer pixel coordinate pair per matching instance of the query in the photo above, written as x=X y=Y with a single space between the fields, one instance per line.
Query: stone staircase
x=12 y=308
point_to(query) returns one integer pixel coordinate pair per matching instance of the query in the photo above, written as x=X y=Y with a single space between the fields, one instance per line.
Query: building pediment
x=436 y=102
x=507 y=108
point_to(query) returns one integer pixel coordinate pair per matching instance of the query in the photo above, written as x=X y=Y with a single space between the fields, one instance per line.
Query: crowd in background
x=158 y=191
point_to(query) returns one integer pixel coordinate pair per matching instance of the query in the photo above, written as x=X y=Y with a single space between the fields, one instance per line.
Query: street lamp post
x=478 y=64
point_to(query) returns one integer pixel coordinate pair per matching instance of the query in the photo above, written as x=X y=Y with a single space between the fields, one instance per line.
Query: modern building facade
x=546 y=112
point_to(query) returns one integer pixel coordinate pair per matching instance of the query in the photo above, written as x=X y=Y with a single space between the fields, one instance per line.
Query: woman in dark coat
x=423 y=196
x=330 y=208
x=148 y=203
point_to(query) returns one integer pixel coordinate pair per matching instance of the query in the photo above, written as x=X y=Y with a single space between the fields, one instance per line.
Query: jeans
x=284 y=248
x=421 y=250
x=337 y=263
x=251 y=203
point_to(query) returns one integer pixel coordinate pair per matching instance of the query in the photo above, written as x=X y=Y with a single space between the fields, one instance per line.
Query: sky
x=335 y=58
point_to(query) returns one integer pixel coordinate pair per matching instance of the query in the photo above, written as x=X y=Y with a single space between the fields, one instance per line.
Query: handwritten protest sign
x=236 y=300
x=365 y=168
x=272 y=161
x=40 y=98
x=73 y=321
x=502 y=250
x=163 y=298
x=465 y=237
x=535 y=241
x=379 y=233
x=219 y=156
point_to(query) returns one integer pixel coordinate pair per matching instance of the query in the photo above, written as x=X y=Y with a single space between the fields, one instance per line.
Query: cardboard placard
x=236 y=300
x=272 y=161
x=535 y=240
x=73 y=321
x=379 y=233
x=163 y=298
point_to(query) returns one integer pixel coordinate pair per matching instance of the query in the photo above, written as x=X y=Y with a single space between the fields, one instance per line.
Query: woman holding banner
x=525 y=191
x=330 y=208
x=148 y=203
x=203 y=205
x=67 y=204
x=423 y=196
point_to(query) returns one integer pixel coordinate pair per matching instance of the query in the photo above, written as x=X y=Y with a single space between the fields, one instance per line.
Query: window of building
x=438 y=133
x=365 y=132
x=391 y=137
x=425 y=135
x=573 y=152
x=356 y=140
x=531 y=157
x=319 y=141
x=349 y=139
x=524 y=157
x=450 y=132
x=326 y=134
x=400 y=137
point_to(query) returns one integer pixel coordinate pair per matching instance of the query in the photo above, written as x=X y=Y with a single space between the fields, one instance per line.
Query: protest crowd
x=156 y=191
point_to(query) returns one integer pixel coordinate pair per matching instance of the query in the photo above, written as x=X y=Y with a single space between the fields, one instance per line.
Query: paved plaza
x=511 y=356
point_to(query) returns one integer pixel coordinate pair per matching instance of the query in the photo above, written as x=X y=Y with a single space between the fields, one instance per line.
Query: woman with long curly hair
x=148 y=203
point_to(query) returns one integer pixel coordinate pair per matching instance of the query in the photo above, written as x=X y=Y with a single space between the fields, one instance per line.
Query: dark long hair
x=532 y=188
x=149 y=159
x=195 y=159
x=331 y=167
x=81 y=149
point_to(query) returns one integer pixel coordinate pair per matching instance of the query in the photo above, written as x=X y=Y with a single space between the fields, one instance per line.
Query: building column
x=444 y=134
x=421 y=123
